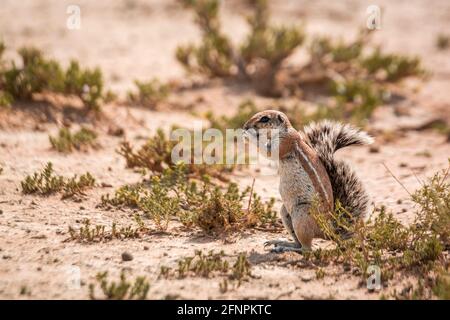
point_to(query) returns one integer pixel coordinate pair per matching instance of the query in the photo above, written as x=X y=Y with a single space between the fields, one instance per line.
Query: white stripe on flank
x=315 y=172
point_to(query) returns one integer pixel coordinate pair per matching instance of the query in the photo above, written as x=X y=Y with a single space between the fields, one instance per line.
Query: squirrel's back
x=326 y=137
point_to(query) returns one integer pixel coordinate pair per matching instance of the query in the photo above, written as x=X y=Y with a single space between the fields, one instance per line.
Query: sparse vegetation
x=259 y=57
x=245 y=111
x=183 y=214
x=195 y=203
x=67 y=141
x=210 y=265
x=202 y=265
x=76 y=186
x=387 y=243
x=354 y=76
x=38 y=74
x=88 y=233
x=262 y=54
x=148 y=94
x=156 y=155
x=120 y=290
x=441 y=287
x=214 y=57
x=391 y=67
x=47 y=182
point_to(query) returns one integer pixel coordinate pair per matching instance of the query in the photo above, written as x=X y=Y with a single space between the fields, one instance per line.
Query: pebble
x=126 y=256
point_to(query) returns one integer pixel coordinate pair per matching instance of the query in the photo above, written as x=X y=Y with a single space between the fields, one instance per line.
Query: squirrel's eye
x=264 y=119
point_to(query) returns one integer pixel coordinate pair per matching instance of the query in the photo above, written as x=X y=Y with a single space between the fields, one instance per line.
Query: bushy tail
x=326 y=137
x=331 y=136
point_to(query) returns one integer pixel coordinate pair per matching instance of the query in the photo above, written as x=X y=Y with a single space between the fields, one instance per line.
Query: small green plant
x=222 y=211
x=241 y=268
x=36 y=75
x=120 y=290
x=202 y=265
x=156 y=155
x=39 y=74
x=158 y=205
x=210 y=265
x=356 y=99
x=87 y=84
x=88 y=233
x=324 y=50
x=267 y=47
x=5 y=97
x=195 y=203
x=67 y=141
x=259 y=57
x=441 y=287
x=47 y=182
x=391 y=67
x=246 y=110
x=125 y=196
x=76 y=186
x=214 y=56
x=320 y=273
x=148 y=94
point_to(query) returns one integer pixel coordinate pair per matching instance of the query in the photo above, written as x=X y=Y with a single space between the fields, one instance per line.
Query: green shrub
x=264 y=50
x=67 y=141
x=38 y=74
x=392 y=67
x=47 y=182
x=245 y=111
x=208 y=265
x=5 y=98
x=442 y=286
x=214 y=56
x=74 y=186
x=325 y=50
x=359 y=99
x=121 y=290
x=88 y=233
x=156 y=155
x=149 y=94
x=194 y=203
x=87 y=84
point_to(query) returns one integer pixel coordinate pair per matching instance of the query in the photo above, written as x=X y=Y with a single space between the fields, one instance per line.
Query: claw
x=280 y=246
x=271 y=242
x=274 y=242
x=281 y=249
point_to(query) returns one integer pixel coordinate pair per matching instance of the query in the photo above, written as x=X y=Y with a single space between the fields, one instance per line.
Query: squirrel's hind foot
x=280 y=246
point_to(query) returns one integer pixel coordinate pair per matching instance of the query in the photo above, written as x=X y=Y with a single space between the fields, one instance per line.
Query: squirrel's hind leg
x=305 y=227
x=281 y=245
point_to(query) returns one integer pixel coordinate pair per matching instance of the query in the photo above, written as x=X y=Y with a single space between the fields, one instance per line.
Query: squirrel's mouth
x=250 y=134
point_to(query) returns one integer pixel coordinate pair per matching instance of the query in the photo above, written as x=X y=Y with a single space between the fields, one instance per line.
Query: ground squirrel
x=308 y=169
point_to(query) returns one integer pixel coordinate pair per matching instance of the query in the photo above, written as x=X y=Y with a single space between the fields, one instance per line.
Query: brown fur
x=308 y=169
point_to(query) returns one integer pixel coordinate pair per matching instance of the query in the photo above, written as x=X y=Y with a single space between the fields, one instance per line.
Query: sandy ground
x=136 y=39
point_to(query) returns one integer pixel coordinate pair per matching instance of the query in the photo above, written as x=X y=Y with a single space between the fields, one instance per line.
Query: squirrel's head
x=272 y=131
x=268 y=120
